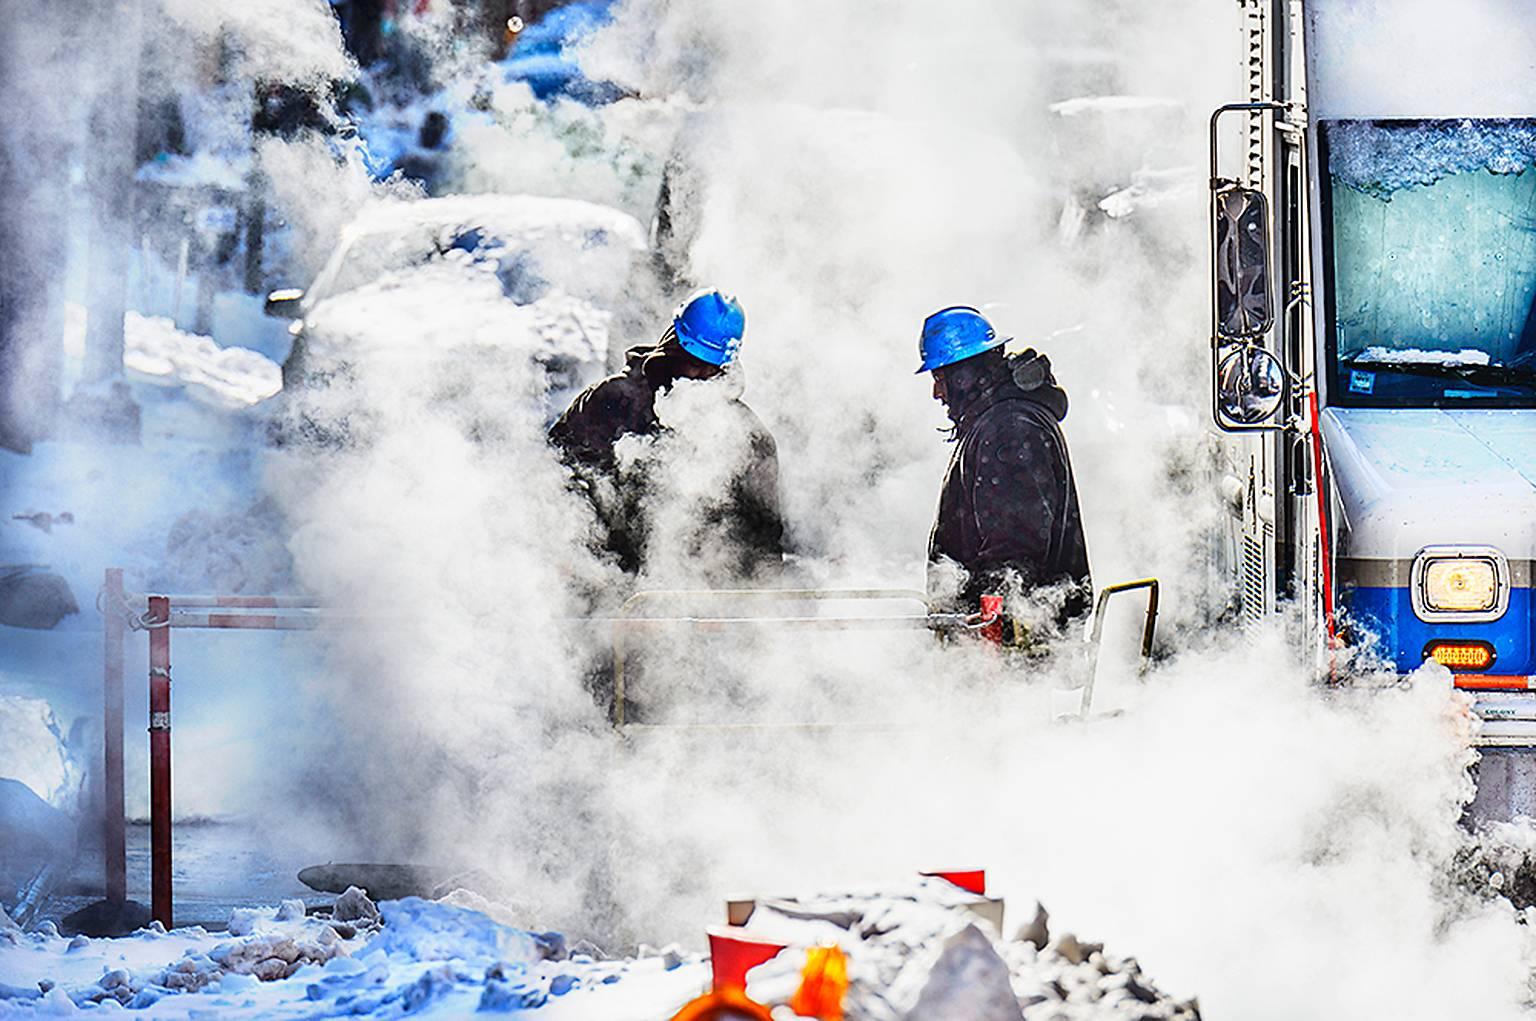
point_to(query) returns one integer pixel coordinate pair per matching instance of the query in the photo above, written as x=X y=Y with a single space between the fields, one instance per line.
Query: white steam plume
x=1277 y=854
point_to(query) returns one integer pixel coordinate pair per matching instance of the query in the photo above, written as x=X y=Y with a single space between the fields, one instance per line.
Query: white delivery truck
x=1373 y=215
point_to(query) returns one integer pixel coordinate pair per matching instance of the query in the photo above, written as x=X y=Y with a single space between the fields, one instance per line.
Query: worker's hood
x=1407 y=478
x=974 y=385
x=657 y=364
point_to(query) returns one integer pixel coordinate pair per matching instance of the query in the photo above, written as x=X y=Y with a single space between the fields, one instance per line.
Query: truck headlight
x=1460 y=583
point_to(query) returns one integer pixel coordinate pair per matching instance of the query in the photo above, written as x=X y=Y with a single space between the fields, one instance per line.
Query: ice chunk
x=424 y=930
x=969 y=982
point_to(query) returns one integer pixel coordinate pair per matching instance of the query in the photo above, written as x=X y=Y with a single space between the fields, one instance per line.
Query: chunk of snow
x=1113 y=104
x=969 y=982
x=156 y=352
x=423 y=930
x=33 y=751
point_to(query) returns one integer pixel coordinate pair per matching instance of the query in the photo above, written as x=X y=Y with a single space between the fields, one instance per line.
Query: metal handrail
x=626 y=619
x=1148 y=631
x=758 y=594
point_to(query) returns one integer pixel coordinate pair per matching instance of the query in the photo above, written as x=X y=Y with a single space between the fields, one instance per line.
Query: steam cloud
x=1279 y=854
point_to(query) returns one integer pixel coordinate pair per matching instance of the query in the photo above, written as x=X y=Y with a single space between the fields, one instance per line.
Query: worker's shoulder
x=756 y=431
x=620 y=390
x=1015 y=432
x=1014 y=416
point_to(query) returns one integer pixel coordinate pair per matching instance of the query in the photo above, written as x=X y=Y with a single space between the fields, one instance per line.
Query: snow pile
x=157 y=352
x=267 y=945
x=1081 y=105
x=934 y=951
x=34 y=752
x=1419 y=356
x=402 y=957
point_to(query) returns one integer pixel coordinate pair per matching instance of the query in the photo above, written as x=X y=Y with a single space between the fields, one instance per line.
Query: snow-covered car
x=437 y=294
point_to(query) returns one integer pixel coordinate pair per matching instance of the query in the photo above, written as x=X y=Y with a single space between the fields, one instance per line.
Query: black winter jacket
x=1009 y=501
x=746 y=519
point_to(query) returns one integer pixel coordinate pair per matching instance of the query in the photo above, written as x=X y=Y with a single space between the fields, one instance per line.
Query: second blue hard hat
x=954 y=334
x=710 y=326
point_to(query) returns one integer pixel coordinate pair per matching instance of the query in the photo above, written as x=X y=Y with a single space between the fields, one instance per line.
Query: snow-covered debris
x=354 y=906
x=156 y=352
x=427 y=960
x=33 y=751
x=423 y=930
x=1081 y=105
x=1418 y=356
x=969 y=982
x=929 y=952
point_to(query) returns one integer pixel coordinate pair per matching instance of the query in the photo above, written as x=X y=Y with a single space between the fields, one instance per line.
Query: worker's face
x=940 y=391
x=694 y=368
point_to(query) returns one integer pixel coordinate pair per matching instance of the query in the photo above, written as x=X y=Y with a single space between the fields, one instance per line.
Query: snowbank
x=928 y=951
x=33 y=751
x=157 y=352
x=429 y=960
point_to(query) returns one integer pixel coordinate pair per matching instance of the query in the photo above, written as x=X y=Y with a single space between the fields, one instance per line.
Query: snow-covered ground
x=423 y=958
x=926 y=949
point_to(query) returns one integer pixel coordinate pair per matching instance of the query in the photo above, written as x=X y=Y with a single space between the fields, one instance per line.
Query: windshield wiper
x=1467 y=372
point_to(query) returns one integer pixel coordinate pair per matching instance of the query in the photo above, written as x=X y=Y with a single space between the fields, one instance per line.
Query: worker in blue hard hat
x=739 y=531
x=1008 y=520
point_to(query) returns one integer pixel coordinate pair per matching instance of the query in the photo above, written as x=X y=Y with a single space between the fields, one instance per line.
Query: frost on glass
x=1434 y=238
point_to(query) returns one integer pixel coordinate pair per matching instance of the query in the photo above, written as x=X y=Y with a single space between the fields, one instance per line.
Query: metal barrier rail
x=120 y=614
x=626 y=620
x=163 y=613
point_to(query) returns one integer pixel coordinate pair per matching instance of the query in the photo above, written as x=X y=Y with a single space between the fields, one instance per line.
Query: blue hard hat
x=710 y=326
x=954 y=334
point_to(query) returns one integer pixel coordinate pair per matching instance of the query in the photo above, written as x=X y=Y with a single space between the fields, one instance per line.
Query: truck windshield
x=1430 y=259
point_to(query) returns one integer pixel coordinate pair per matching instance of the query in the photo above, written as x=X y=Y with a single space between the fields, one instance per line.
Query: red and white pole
x=114 y=840
x=160 y=758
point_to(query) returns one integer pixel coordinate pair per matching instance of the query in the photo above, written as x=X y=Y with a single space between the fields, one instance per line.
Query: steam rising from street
x=1277 y=851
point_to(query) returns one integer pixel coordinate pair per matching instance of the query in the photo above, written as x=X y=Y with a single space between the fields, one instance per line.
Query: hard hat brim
x=939 y=361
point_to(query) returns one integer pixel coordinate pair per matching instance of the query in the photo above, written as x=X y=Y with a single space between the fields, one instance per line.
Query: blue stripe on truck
x=1388 y=613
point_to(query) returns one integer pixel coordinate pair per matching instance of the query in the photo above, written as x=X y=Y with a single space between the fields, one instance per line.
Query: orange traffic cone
x=823 y=984
x=723 y=1005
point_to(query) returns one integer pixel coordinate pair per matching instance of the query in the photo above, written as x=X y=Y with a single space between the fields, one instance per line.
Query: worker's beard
x=966 y=382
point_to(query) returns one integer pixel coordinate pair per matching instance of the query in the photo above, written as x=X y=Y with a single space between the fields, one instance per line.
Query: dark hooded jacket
x=746 y=518
x=1009 y=502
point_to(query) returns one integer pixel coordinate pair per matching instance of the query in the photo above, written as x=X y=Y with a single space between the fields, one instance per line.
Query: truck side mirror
x=1250 y=386
x=285 y=303
x=1244 y=307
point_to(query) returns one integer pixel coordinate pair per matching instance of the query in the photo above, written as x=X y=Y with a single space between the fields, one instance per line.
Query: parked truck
x=1373 y=217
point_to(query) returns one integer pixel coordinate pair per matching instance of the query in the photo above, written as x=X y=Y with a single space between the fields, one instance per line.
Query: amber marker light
x=1461 y=655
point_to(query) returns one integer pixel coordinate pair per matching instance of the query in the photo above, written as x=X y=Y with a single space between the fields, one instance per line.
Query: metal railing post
x=1148 y=631
x=114 y=839
x=159 y=624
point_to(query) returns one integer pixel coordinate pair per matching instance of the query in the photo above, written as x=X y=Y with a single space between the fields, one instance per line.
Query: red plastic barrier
x=733 y=952
x=969 y=880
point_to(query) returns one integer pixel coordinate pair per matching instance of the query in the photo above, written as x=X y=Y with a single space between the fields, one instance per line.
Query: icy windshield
x=1432 y=260
x=372 y=257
